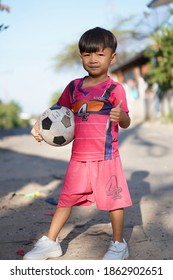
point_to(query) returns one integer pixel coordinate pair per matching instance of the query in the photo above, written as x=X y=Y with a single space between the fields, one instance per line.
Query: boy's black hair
x=97 y=38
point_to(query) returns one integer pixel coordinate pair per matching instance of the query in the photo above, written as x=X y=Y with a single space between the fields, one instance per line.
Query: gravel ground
x=27 y=167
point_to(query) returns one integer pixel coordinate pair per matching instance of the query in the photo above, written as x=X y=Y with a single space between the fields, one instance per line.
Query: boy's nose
x=93 y=57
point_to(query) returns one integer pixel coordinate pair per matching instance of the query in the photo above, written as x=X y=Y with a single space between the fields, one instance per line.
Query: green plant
x=160 y=55
x=9 y=115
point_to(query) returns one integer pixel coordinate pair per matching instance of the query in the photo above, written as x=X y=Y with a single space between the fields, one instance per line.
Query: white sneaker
x=117 y=251
x=44 y=248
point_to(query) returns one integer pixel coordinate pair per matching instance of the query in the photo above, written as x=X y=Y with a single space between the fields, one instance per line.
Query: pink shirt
x=96 y=137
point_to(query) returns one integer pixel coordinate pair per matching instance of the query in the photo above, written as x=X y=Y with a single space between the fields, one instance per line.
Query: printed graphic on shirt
x=83 y=108
x=112 y=188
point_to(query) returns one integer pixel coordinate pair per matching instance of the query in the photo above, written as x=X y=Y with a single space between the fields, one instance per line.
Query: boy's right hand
x=35 y=132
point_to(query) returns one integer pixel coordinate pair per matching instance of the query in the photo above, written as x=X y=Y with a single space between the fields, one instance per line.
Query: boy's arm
x=35 y=132
x=118 y=115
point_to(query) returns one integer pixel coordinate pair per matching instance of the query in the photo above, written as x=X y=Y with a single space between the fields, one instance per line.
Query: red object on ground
x=49 y=213
x=20 y=252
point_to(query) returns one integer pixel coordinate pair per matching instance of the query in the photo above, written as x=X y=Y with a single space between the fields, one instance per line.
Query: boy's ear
x=80 y=56
x=113 y=58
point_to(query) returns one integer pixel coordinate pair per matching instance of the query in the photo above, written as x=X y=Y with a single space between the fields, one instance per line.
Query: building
x=132 y=73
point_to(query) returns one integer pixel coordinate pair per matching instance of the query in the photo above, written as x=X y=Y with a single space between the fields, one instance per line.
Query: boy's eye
x=96 y=53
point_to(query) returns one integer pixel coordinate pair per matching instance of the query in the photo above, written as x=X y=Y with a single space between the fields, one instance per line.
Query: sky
x=38 y=31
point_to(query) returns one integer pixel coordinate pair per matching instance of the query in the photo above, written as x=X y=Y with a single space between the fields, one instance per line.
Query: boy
x=94 y=173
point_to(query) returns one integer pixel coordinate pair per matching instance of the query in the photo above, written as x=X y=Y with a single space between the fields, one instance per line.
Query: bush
x=9 y=115
x=160 y=55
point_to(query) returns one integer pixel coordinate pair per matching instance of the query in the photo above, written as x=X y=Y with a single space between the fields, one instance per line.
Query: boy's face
x=97 y=63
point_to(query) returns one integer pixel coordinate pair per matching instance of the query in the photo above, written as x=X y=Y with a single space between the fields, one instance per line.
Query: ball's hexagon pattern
x=59 y=140
x=46 y=123
x=66 y=121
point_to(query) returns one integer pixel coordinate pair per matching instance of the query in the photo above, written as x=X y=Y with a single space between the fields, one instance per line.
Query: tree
x=160 y=55
x=9 y=115
x=54 y=98
x=7 y=9
x=130 y=31
x=4 y=8
x=70 y=56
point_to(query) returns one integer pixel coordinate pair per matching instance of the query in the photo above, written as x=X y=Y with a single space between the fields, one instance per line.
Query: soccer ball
x=56 y=126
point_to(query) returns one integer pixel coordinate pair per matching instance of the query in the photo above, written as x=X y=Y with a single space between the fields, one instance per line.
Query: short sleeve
x=65 y=98
x=119 y=94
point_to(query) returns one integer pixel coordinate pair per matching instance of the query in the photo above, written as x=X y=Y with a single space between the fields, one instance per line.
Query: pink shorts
x=102 y=182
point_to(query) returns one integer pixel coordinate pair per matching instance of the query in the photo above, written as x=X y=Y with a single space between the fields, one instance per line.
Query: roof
x=157 y=3
x=136 y=60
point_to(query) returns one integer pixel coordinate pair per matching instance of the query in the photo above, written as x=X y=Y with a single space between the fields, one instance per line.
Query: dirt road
x=26 y=167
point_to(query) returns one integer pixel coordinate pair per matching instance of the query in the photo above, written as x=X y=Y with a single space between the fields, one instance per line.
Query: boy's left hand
x=116 y=114
x=35 y=132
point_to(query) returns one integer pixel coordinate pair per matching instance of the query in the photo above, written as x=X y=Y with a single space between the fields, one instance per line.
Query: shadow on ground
x=88 y=231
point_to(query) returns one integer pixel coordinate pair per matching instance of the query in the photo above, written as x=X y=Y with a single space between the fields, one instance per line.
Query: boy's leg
x=118 y=249
x=60 y=217
x=48 y=246
x=117 y=221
